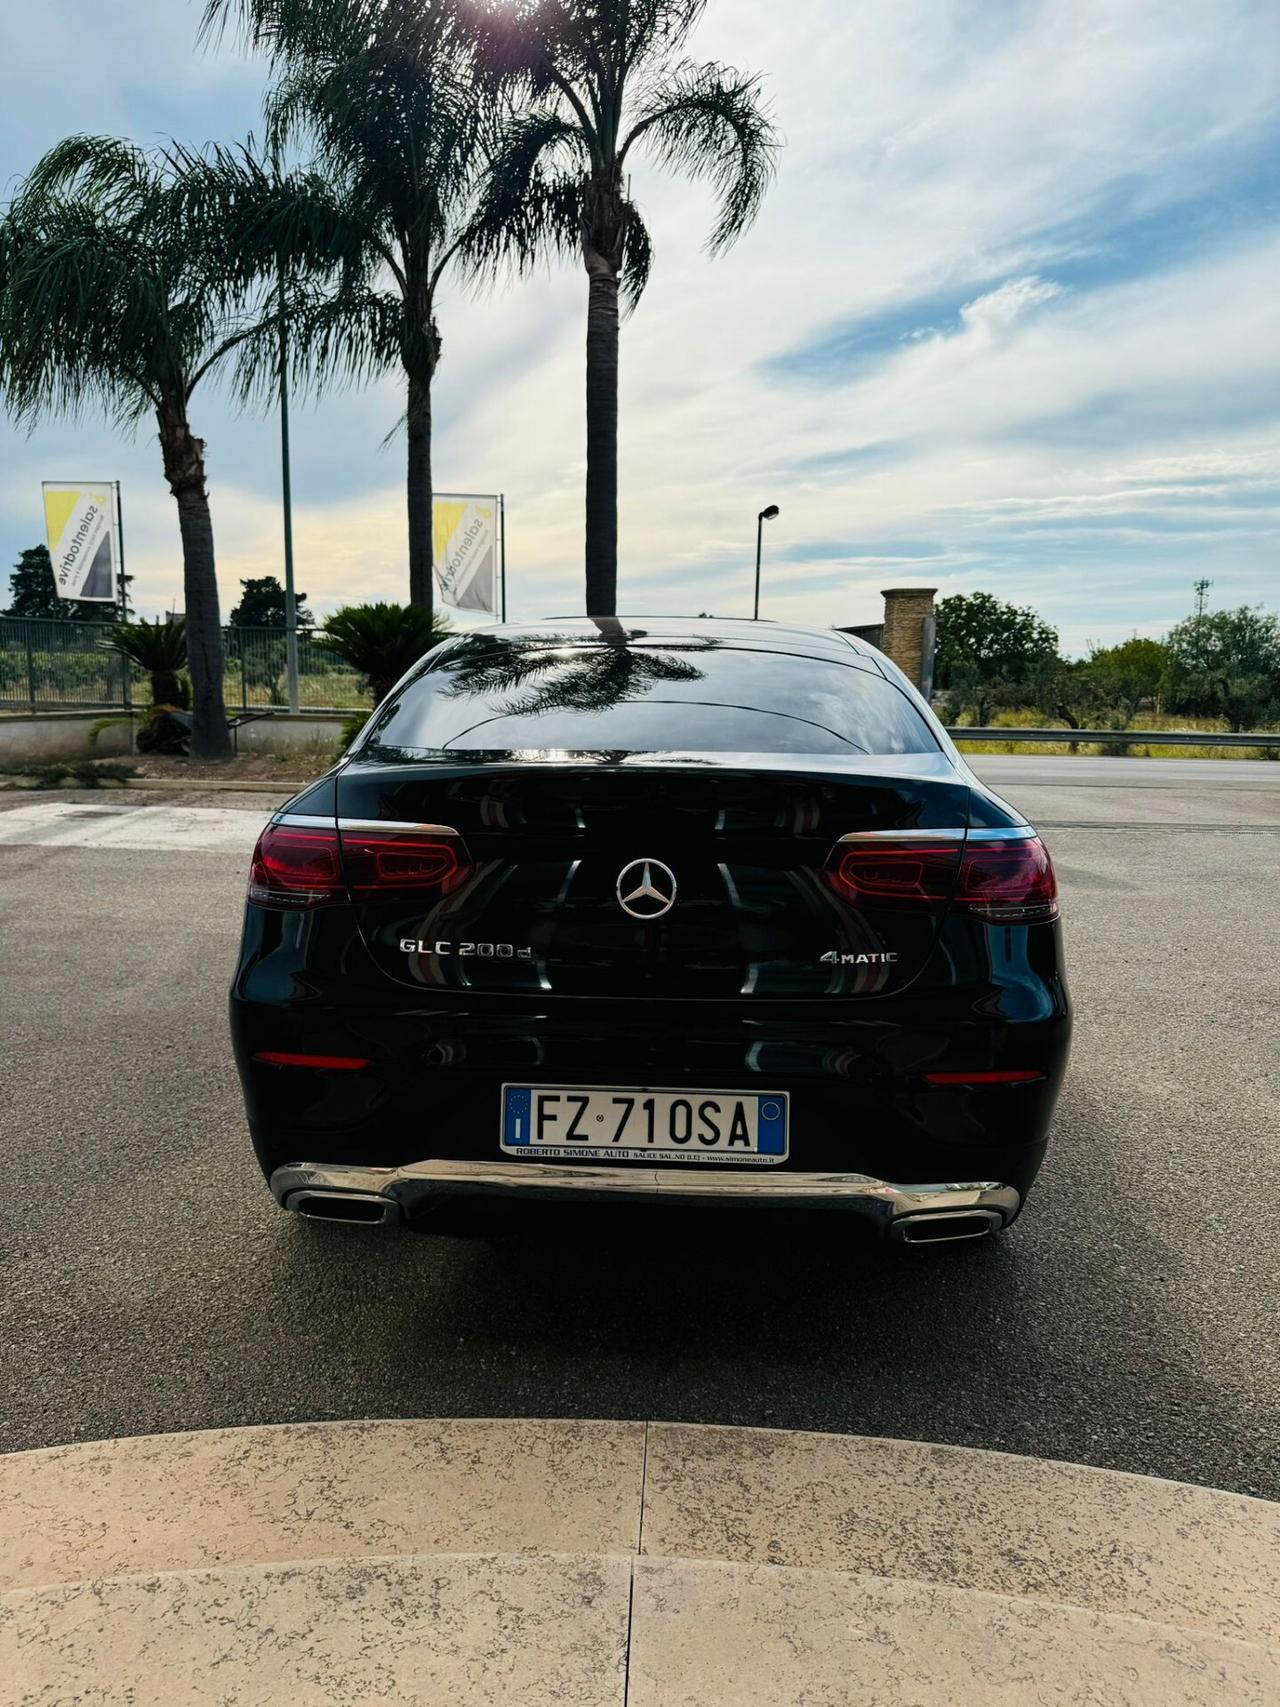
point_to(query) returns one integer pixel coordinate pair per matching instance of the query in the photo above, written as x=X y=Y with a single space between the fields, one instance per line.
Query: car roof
x=739 y=632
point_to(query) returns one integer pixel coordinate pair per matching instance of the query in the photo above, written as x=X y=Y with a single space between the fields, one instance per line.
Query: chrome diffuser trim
x=416 y=1184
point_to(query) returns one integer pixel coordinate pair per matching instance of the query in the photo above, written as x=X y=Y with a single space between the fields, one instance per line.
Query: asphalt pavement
x=148 y=1283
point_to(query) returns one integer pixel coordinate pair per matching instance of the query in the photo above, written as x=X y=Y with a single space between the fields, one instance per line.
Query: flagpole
x=124 y=589
x=502 y=513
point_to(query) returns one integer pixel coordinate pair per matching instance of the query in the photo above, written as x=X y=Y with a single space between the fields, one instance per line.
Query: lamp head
x=769 y=514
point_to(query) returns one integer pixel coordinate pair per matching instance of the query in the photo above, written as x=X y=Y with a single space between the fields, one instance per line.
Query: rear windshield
x=699 y=697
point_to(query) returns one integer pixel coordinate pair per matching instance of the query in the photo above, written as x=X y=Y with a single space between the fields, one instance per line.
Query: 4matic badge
x=832 y=958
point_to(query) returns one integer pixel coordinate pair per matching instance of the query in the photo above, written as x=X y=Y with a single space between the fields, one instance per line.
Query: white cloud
x=996 y=310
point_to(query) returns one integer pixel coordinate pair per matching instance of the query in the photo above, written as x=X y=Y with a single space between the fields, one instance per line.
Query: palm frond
x=400 y=139
x=637 y=259
x=711 y=122
x=159 y=645
x=345 y=338
x=124 y=279
x=531 y=198
x=105 y=169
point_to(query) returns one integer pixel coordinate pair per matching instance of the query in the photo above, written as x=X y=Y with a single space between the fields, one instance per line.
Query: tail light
x=296 y=867
x=1009 y=882
x=387 y=862
x=879 y=872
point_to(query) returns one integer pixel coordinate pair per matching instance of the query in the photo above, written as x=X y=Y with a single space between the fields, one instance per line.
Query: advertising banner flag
x=466 y=551
x=82 y=539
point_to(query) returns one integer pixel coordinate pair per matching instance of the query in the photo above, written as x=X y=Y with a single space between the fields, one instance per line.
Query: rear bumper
x=912 y=1213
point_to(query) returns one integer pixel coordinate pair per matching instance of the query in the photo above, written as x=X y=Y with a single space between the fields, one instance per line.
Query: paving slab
x=980 y=1520
x=471 y=1631
x=318 y=1490
x=129 y=826
x=712 y=1635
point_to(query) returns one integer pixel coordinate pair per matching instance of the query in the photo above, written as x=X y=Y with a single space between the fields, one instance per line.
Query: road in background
x=147 y=1282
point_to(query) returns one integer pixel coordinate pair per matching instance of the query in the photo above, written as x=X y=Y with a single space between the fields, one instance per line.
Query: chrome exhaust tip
x=357 y=1208
x=944 y=1226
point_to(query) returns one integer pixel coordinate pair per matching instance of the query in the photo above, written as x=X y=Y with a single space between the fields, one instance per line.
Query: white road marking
x=193 y=829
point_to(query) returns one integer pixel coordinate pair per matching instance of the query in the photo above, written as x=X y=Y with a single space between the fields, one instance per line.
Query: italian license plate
x=555 y=1122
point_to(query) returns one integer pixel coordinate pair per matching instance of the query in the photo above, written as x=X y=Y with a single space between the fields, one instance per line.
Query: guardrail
x=1122 y=737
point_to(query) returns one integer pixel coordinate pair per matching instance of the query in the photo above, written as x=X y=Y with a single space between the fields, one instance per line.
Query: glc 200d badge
x=464 y=950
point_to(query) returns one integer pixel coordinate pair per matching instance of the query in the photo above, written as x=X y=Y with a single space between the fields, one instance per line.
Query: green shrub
x=351 y=727
x=159 y=648
x=382 y=641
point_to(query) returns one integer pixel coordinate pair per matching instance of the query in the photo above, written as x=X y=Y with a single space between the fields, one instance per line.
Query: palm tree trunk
x=602 y=435
x=184 y=470
x=421 y=521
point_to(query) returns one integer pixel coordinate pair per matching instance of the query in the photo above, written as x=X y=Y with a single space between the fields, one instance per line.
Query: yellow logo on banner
x=61 y=502
x=447 y=517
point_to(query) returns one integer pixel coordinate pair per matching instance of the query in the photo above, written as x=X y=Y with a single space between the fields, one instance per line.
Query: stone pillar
x=909 y=630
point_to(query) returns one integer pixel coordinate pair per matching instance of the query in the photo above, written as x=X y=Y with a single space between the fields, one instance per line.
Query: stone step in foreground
x=1131 y=1545
x=526 y=1630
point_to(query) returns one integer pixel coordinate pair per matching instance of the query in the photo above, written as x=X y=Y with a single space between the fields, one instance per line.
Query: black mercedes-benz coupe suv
x=653 y=908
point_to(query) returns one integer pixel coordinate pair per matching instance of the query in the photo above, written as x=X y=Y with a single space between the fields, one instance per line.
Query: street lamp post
x=765 y=516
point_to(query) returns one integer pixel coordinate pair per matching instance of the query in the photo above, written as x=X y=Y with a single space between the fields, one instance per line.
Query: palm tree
x=115 y=294
x=382 y=641
x=381 y=91
x=159 y=648
x=589 y=82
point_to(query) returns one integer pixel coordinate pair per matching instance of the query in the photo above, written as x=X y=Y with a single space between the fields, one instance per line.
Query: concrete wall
x=33 y=738
x=280 y=731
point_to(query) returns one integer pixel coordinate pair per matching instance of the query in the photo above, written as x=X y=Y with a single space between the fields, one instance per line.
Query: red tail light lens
x=879 y=872
x=1008 y=882
x=387 y=862
x=295 y=868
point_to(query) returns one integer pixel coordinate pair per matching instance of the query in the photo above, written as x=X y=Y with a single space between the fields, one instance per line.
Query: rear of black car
x=707 y=911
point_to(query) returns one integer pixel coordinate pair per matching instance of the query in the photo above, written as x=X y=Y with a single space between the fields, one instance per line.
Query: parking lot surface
x=148 y=1283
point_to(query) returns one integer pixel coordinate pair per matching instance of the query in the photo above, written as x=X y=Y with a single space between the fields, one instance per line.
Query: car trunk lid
x=603 y=878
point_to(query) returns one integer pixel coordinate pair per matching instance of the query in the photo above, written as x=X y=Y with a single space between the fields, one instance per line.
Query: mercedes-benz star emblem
x=646 y=889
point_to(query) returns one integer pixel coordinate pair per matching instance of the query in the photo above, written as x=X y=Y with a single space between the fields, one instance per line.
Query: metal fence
x=1266 y=740
x=255 y=672
x=61 y=666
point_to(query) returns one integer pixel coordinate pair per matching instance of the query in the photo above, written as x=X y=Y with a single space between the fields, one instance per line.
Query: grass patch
x=73 y=773
x=1025 y=718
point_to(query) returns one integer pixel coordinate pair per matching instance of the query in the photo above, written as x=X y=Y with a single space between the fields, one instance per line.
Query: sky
x=1008 y=321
